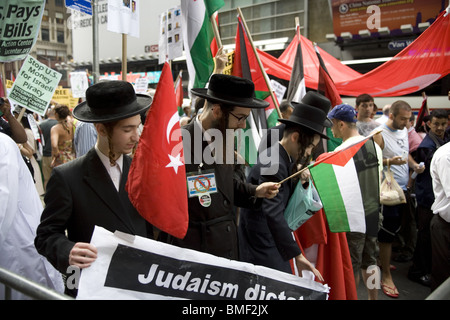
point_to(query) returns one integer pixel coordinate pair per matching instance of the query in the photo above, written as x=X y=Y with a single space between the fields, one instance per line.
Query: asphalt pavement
x=408 y=290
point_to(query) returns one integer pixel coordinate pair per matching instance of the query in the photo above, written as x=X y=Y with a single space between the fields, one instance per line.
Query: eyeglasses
x=239 y=119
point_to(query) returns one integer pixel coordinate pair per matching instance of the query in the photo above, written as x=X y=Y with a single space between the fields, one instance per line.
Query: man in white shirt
x=90 y=190
x=440 y=224
x=20 y=210
x=396 y=154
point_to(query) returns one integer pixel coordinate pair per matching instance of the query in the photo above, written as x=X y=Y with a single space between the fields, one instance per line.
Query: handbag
x=391 y=193
x=302 y=205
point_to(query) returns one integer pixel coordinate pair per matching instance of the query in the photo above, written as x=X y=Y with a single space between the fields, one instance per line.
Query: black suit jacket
x=80 y=194
x=264 y=235
x=213 y=229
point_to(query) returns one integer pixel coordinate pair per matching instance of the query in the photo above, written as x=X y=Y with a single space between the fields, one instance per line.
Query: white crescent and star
x=175 y=162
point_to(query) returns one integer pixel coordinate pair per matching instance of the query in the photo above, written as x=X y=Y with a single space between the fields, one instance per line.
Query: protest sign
x=20 y=21
x=79 y=84
x=123 y=17
x=133 y=267
x=34 y=86
x=141 y=85
x=170 y=39
x=278 y=88
x=64 y=96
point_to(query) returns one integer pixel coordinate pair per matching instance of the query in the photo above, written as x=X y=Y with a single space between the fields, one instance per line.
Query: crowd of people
x=86 y=154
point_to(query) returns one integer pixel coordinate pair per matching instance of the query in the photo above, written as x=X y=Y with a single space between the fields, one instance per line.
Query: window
x=45 y=16
x=45 y=34
x=59 y=17
x=60 y=36
x=266 y=19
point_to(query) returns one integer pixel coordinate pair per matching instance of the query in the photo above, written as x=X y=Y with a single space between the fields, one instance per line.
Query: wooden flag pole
x=3 y=75
x=124 y=57
x=293 y=176
x=266 y=78
x=216 y=30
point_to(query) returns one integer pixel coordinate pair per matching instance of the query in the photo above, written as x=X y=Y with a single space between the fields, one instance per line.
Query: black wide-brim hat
x=318 y=100
x=307 y=116
x=230 y=90
x=111 y=101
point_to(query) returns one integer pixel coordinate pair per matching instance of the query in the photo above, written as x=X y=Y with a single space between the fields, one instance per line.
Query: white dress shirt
x=115 y=172
x=440 y=172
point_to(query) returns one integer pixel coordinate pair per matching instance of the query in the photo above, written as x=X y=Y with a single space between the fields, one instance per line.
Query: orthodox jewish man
x=208 y=143
x=90 y=190
x=264 y=235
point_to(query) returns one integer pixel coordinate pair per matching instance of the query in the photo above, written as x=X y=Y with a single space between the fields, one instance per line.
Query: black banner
x=143 y=271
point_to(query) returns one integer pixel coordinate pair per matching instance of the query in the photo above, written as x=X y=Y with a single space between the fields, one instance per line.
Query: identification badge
x=201 y=184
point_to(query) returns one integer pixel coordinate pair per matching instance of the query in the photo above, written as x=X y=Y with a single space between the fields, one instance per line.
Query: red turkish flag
x=157 y=179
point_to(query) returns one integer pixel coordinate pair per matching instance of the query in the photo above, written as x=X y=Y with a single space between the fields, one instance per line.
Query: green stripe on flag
x=330 y=195
x=201 y=54
x=272 y=118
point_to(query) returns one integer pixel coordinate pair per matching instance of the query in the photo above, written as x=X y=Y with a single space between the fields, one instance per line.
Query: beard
x=223 y=139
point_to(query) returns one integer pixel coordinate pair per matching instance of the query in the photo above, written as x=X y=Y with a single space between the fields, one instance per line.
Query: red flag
x=333 y=256
x=157 y=180
x=417 y=66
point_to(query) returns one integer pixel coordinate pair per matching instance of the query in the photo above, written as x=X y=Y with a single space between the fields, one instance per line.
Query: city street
x=408 y=290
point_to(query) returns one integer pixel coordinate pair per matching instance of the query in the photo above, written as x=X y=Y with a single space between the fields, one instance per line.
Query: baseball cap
x=343 y=112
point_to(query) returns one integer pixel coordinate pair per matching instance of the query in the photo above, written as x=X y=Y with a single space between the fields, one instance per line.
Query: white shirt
x=395 y=142
x=440 y=173
x=115 y=172
x=20 y=214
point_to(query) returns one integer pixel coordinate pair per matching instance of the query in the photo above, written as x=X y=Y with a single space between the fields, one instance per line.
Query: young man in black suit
x=264 y=235
x=90 y=190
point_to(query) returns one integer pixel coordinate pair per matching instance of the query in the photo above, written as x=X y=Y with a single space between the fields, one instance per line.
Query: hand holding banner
x=132 y=267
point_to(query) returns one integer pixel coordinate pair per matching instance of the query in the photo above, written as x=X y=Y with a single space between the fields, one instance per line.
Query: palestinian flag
x=297 y=89
x=246 y=66
x=198 y=36
x=348 y=185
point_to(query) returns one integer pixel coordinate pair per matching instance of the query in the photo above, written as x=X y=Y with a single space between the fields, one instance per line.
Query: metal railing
x=29 y=288
x=34 y=290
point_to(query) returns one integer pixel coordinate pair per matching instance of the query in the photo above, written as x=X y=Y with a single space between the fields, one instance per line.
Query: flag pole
x=293 y=176
x=297 y=28
x=3 y=75
x=266 y=78
x=124 y=57
x=215 y=28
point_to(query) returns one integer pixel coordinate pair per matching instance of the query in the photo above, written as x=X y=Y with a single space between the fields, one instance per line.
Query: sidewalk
x=408 y=290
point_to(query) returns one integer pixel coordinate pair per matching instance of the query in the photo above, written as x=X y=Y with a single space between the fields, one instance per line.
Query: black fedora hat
x=308 y=117
x=111 y=101
x=318 y=100
x=230 y=90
